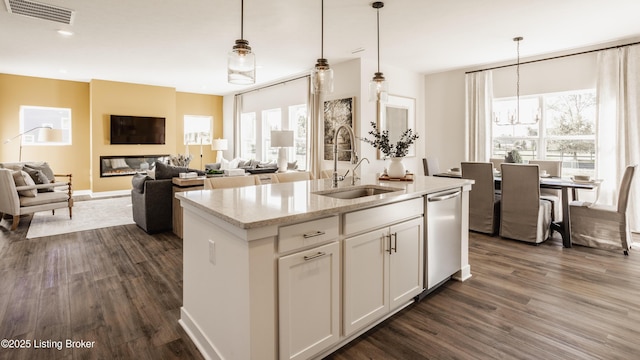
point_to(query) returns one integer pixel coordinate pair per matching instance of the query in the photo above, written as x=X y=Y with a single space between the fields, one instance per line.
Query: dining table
x=563 y=227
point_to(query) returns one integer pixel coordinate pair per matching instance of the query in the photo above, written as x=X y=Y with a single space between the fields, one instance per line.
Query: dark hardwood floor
x=122 y=289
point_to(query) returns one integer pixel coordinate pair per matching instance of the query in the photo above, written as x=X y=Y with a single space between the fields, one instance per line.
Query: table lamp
x=219 y=145
x=282 y=139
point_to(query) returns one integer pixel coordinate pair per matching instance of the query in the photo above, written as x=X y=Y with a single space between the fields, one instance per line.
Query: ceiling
x=184 y=44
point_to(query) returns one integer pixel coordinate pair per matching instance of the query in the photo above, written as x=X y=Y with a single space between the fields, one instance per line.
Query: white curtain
x=237 y=114
x=618 y=130
x=479 y=90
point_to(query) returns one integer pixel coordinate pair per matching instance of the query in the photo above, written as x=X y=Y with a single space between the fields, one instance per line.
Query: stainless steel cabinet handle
x=315 y=256
x=395 y=241
x=389 y=249
x=313 y=234
x=444 y=197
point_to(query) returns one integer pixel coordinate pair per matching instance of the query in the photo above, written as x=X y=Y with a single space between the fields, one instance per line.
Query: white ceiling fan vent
x=40 y=11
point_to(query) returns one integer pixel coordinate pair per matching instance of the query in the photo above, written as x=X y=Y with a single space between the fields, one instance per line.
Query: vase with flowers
x=395 y=151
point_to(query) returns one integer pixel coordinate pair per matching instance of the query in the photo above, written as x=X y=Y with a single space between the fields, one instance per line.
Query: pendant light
x=241 y=64
x=378 y=87
x=322 y=74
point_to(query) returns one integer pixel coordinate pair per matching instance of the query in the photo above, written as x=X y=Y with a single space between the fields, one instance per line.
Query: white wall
x=445 y=97
x=351 y=78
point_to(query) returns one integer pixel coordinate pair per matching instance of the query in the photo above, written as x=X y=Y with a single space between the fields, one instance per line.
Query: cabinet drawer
x=298 y=236
x=376 y=217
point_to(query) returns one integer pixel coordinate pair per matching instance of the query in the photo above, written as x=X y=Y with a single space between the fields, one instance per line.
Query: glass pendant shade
x=241 y=64
x=322 y=78
x=378 y=88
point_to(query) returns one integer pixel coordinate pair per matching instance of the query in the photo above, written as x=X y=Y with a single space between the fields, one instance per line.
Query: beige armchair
x=17 y=200
x=523 y=215
x=602 y=226
x=230 y=182
x=484 y=203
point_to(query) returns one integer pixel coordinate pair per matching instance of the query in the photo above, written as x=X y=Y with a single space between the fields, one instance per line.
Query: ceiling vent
x=42 y=11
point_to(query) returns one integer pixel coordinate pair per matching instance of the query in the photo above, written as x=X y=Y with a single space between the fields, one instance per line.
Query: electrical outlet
x=212 y=251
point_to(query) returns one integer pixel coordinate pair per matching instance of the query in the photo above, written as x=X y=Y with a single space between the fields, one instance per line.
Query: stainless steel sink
x=355 y=192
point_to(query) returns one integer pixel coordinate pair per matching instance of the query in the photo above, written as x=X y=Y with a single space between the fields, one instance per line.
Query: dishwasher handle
x=444 y=197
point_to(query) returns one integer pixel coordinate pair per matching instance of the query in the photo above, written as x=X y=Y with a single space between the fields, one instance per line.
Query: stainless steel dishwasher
x=443 y=240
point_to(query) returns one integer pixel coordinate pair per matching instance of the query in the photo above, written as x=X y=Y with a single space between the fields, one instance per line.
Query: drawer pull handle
x=313 y=234
x=314 y=256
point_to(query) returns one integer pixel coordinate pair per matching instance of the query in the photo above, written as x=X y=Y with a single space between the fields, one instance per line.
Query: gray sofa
x=152 y=199
x=152 y=203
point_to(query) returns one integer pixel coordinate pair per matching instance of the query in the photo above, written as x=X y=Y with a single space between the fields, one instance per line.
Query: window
x=45 y=125
x=248 y=135
x=197 y=129
x=281 y=107
x=298 y=122
x=555 y=126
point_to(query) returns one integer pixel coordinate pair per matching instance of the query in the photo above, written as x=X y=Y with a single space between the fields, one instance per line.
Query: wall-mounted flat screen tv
x=137 y=130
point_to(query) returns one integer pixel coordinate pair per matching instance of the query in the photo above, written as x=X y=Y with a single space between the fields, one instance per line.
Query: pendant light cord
x=242 y=19
x=322 y=29
x=517 y=40
x=378 y=25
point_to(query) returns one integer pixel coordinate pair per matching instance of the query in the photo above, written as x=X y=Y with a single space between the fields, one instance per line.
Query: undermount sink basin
x=355 y=192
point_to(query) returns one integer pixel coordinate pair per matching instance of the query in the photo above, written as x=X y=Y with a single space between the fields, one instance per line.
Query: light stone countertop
x=274 y=204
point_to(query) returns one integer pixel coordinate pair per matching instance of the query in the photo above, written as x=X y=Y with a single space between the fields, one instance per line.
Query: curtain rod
x=553 y=57
x=271 y=85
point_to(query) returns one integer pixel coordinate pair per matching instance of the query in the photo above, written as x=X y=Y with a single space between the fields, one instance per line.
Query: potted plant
x=513 y=157
x=395 y=151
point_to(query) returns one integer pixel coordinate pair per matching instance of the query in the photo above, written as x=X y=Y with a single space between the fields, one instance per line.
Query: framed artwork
x=338 y=112
x=397 y=115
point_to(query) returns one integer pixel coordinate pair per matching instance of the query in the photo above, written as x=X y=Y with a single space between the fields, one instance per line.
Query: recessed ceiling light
x=65 y=32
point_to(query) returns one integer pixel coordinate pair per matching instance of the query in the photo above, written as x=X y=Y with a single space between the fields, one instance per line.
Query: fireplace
x=127 y=165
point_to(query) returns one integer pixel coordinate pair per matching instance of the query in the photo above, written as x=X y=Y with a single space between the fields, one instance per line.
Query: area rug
x=87 y=215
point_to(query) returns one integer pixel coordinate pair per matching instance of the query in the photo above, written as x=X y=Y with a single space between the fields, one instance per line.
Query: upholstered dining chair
x=553 y=168
x=484 y=203
x=230 y=182
x=496 y=162
x=294 y=176
x=430 y=165
x=523 y=215
x=603 y=226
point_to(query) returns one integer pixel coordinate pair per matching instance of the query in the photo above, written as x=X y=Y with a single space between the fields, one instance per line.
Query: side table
x=179 y=185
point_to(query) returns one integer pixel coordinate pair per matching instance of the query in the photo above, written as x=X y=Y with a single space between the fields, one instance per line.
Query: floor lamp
x=219 y=145
x=282 y=139
x=44 y=135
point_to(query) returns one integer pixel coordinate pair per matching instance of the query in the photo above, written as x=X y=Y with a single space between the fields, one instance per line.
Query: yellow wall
x=201 y=105
x=91 y=105
x=22 y=90
x=107 y=98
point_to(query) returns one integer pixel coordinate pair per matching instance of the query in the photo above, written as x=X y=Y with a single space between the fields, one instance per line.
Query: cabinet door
x=309 y=300
x=366 y=279
x=406 y=261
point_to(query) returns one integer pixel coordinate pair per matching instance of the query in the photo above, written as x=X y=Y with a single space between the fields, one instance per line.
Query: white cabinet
x=308 y=301
x=383 y=269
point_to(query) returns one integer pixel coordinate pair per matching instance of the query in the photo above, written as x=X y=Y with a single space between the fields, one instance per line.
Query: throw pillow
x=164 y=171
x=118 y=163
x=45 y=168
x=212 y=166
x=21 y=178
x=292 y=165
x=38 y=178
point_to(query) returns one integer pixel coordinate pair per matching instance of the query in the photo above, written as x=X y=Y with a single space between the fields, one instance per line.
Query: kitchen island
x=294 y=271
